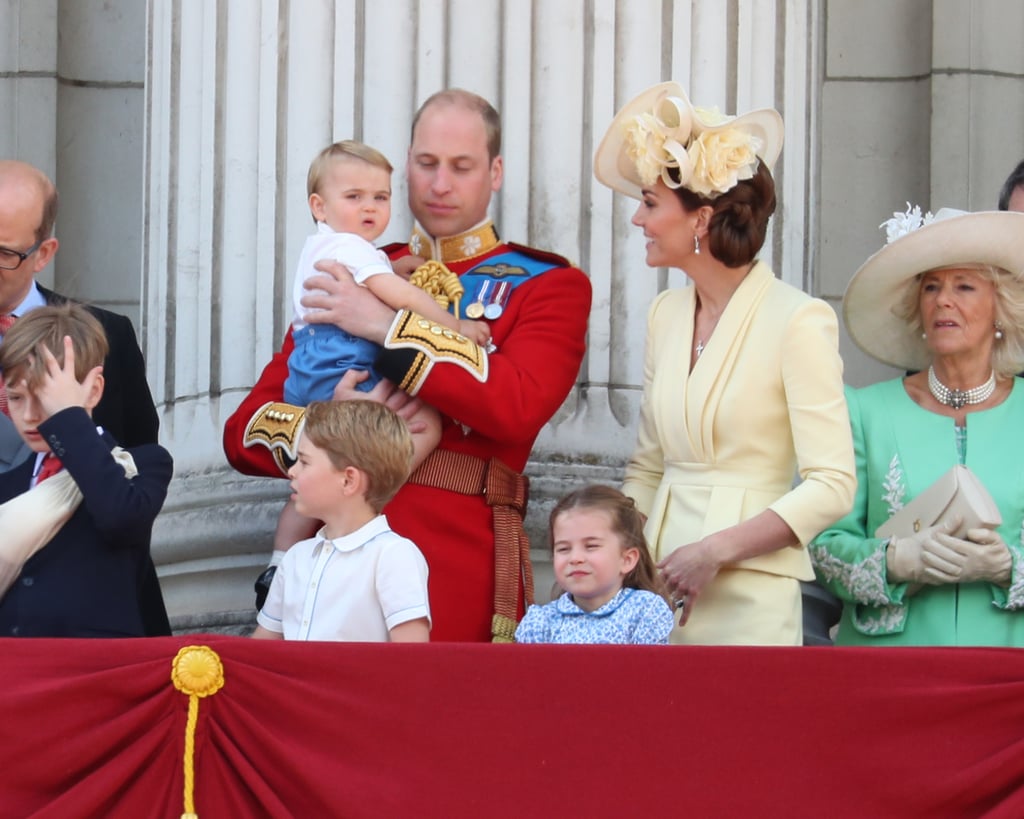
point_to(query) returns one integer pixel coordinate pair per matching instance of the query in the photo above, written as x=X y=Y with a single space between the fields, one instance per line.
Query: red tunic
x=540 y=340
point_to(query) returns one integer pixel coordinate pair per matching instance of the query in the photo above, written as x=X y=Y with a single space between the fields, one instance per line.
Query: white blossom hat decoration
x=661 y=134
x=918 y=243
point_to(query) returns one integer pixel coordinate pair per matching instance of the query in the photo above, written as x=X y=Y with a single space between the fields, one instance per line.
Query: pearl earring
x=696 y=245
x=999 y=333
x=924 y=334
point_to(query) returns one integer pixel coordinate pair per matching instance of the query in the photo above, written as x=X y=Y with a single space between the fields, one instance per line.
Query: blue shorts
x=323 y=354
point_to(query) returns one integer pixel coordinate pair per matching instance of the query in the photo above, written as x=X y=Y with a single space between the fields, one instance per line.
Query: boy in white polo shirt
x=355 y=580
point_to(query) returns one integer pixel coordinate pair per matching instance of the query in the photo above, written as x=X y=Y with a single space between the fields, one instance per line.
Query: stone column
x=28 y=85
x=100 y=103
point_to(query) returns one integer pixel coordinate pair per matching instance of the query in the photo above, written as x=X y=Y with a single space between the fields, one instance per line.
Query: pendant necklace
x=958 y=399
x=700 y=347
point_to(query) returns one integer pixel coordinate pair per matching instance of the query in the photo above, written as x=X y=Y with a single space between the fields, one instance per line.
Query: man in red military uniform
x=464 y=505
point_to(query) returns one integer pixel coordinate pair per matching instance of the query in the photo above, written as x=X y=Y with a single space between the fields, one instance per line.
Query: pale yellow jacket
x=764 y=403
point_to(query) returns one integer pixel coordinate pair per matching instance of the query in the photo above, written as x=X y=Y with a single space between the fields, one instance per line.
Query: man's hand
x=59 y=389
x=344 y=303
x=398 y=401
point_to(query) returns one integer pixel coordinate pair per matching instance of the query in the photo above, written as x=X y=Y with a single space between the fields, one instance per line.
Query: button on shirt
x=353 y=588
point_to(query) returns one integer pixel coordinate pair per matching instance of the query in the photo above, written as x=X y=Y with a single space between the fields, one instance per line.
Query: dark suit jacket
x=86 y=582
x=127 y=412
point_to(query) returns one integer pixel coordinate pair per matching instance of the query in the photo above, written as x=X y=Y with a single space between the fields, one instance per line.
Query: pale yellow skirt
x=745 y=608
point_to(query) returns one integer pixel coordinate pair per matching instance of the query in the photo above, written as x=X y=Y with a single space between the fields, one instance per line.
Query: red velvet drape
x=96 y=729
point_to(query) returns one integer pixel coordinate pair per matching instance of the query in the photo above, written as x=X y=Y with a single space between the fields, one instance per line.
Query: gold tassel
x=440 y=283
x=196 y=671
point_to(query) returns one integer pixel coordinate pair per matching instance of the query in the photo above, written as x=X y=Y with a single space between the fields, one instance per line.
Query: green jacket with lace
x=902 y=449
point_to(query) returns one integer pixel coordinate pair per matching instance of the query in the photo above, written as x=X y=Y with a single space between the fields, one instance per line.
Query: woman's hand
x=922 y=558
x=981 y=555
x=687 y=572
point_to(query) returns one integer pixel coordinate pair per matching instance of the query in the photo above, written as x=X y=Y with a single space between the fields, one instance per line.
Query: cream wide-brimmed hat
x=661 y=134
x=917 y=244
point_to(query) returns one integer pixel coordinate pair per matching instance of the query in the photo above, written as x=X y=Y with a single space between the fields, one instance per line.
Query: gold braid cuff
x=277 y=426
x=433 y=343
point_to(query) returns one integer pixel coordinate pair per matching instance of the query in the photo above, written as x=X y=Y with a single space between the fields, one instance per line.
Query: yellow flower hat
x=661 y=134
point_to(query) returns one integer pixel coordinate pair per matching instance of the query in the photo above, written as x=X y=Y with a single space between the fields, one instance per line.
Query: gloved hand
x=904 y=557
x=983 y=555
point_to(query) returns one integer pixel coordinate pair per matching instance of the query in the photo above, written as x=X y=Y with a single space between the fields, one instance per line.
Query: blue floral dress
x=633 y=617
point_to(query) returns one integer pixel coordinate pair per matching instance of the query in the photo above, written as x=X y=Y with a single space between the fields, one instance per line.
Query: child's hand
x=479 y=332
x=58 y=389
x=406 y=265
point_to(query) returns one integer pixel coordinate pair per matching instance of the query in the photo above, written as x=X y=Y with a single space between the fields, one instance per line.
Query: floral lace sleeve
x=850 y=563
x=1012 y=598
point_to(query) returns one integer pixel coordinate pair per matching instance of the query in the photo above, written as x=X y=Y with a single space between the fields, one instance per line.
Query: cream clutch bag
x=957 y=493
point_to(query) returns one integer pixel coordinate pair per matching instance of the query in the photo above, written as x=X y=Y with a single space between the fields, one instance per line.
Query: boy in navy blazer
x=85 y=581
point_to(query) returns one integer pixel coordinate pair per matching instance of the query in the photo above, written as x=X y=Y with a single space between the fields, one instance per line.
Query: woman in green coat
x=945 y=299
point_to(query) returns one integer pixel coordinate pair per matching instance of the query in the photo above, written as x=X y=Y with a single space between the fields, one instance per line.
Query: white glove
x=905 y=557
x=983 y=555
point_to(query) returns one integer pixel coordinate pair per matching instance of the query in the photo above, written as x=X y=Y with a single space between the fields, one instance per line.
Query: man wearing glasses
x=28 y=210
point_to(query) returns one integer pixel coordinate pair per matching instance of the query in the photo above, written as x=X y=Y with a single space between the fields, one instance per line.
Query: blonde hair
x=627 y=523
x=1008 y=352
x=368 y=436
x=346 y=149
x=21 y=352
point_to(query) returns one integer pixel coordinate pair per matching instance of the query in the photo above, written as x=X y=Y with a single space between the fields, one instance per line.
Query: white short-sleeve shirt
x=354 y=588
x=358 y=255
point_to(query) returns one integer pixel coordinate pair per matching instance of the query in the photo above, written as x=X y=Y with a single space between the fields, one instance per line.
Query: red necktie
x=51 y=466
x=5 y=325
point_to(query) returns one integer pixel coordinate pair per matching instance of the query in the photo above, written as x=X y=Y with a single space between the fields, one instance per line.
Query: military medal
x=499 y=298
x=481 y=298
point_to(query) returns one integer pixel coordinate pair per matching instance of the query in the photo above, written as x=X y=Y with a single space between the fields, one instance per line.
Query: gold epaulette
x=277 y=426
x=433 y=344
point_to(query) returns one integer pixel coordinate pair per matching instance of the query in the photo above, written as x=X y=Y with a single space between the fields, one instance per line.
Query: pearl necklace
x=957 y=399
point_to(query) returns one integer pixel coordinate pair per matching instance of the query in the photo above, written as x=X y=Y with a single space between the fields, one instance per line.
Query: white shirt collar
x=354 y=540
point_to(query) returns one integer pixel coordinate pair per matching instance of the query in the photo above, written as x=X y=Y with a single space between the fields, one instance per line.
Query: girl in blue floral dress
x=613 y=591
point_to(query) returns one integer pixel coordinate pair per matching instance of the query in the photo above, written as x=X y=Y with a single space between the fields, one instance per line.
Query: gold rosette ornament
x=197 y=672
x=440 y=283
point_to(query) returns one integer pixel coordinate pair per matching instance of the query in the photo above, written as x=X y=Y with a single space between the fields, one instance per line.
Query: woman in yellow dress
x=743 y=388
